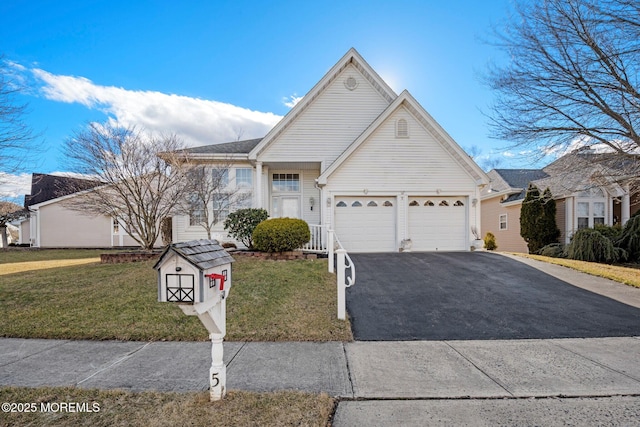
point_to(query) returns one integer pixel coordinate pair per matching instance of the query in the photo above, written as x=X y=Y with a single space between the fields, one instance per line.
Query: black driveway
x=474 y=295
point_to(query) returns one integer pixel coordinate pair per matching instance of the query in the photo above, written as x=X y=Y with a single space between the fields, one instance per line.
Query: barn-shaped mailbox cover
x=193 y=272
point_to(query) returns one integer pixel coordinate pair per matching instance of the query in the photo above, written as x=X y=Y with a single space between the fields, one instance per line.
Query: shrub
x=281 y=234
x=629 y=239
x=553 y=250
x=241 y=223
x=590 y=245
x=612 y=232
x=538 y=219
x=490 y=242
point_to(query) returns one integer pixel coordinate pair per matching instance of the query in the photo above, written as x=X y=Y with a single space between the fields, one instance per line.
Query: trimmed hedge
x=281 y=235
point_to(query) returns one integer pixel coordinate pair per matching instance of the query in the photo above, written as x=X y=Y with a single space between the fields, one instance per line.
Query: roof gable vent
x=402 y=129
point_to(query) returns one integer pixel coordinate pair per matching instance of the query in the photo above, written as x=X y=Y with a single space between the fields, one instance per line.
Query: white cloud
x=14 y=186
x=197 y=121
x=292 y=100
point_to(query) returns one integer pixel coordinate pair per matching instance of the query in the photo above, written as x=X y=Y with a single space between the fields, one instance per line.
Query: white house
x=355 y=157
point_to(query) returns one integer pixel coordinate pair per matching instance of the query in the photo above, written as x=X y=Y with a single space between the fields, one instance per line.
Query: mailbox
x=193 y=272
x=197 y=276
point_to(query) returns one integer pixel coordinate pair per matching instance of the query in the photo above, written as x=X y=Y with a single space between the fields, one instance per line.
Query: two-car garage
x=375 y=224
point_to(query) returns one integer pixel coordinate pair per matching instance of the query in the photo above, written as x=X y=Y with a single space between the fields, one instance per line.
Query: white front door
x=290 y=207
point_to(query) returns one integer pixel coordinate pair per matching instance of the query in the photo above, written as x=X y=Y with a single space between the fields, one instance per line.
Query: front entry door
x=290 y=207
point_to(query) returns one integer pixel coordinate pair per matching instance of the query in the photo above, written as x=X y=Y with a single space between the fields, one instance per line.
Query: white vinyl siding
x=385 y=163
x=330 y=123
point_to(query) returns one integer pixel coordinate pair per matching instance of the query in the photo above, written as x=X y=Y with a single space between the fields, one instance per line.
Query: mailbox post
x=197 y=276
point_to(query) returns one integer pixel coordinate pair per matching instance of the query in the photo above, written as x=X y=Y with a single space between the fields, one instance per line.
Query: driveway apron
x=474 y=296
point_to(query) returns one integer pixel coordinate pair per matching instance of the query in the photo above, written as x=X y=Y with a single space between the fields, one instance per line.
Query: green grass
x=153 y=409
x=269 y=301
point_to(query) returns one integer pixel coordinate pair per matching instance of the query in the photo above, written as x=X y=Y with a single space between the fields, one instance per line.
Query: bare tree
x=139 y=187
x=572 y=76
x=8 y=212
x=16 y=137
x=210 y=195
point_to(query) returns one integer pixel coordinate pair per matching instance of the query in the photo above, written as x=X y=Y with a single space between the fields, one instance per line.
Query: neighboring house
x=52 y=224
x=355 y=157
x=587 y=188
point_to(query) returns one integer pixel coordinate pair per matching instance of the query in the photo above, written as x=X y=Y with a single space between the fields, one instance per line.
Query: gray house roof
x=520 y=178
x=235 y=147
x=204 y=254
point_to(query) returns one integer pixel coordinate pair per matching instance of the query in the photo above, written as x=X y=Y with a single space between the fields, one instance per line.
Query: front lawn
x=269 y=301
x=153 y=409
x=627 y=275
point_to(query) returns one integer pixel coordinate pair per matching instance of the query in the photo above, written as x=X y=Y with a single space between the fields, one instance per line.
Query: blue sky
x=211 y=71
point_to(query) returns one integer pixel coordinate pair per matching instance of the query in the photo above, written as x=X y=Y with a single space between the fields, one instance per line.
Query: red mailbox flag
x=215 y=276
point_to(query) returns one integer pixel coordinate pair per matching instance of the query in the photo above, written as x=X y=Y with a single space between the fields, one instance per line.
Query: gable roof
x=351 y=57
x=203 y=254
x=572 y=173
x=46 y=187
x=409 y=102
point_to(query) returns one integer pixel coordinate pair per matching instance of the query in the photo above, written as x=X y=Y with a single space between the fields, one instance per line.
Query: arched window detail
x=443 y=203
x=387 y=204
x=402 y=129
x=341 y=204
x=414 y=203
x=372 y=204
x=356 y=204
x=458 y=203
x=429 y=203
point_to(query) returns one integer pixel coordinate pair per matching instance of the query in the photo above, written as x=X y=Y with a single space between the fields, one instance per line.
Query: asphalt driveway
x=475 y=296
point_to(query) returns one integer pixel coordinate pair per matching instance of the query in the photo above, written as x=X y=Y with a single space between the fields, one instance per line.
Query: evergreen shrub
x=241 y=223
x=490 y=242
x=281 y=235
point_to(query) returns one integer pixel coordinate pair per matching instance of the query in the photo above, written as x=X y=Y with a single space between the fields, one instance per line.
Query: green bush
x=490 y=241
x=553 y=250
x=241 y=223
x=281 y=235
x=590 y=245
x=612 y=232
x=629 y=239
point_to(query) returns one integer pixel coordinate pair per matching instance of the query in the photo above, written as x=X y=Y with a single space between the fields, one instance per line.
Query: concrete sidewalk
x=360 y=370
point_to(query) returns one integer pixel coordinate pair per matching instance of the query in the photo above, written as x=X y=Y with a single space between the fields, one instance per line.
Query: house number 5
x=214 y=379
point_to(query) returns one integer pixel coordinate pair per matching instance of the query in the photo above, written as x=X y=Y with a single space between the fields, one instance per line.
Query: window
x=244 y=178
x=116 y=226
x=220 y=177
x=402 y=129
x=458 y=203
x=598 y=213
x=341 y=204
x=503 y=221
x=372 y=204
x=286 y=182
x=356 y=204
x=196 y=210
x=582 y=210
x=414 y=203
x=220 y=206
x=443 y=203
x=429 y=203
x=387 y=204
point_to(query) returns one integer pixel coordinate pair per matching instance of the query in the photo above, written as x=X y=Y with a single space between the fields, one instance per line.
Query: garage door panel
x=366 y=224
x=438 y=224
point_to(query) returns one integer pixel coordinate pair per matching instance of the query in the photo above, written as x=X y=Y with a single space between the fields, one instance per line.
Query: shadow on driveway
x=474 y=296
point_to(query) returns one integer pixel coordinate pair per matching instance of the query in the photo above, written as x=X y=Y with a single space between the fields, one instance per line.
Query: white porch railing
x=345 y=263
x=318 y=241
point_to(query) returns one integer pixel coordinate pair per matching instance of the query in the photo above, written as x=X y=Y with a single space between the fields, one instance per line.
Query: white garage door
x=438 y=223
x=366 y=224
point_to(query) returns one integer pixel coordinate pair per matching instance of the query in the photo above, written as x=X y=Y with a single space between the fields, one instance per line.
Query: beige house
x=355 y=157
x=52 y=224
x=587 y=188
